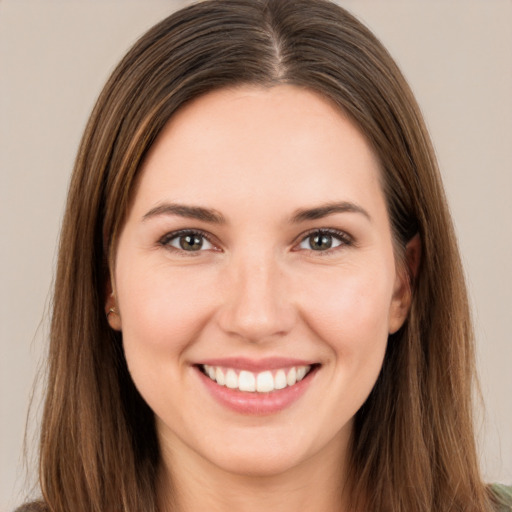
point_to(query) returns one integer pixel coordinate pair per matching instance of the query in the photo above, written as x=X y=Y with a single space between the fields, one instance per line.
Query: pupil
x=320 y=242
x=191 y=242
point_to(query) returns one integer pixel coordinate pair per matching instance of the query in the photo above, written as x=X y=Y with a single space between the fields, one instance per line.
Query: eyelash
x=166 y=240
x=344 y=239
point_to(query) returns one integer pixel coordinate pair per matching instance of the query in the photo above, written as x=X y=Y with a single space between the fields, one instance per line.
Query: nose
x=258 y=306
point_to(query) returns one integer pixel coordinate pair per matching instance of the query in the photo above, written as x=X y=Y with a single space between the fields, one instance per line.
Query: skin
x=257 y=289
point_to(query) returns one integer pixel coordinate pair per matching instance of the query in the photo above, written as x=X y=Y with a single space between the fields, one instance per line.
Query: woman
x=259 y=299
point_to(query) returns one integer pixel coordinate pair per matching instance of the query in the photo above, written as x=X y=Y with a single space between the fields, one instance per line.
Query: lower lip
x=257 y=403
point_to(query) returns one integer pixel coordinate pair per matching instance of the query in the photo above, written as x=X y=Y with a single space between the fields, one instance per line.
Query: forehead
x=281 y=143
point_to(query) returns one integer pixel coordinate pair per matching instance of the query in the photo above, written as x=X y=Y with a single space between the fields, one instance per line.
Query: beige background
x=54 y=58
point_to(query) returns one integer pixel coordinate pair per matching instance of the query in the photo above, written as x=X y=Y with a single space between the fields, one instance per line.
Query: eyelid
x=342 y=236
x=165 y=240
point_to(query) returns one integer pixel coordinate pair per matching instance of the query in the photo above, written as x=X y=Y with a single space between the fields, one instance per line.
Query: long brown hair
x=413 y=444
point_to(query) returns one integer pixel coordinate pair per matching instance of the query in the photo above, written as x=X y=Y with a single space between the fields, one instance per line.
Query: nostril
x=257 y=322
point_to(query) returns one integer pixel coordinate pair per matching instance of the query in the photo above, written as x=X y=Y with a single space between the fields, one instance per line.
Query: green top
x=504 y=493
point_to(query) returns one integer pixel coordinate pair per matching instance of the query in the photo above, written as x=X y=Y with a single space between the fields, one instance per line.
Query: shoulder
x=503 y=494
x=35 y=506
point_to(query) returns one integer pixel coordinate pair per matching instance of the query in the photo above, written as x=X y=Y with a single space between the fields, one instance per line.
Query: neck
x=191 y=484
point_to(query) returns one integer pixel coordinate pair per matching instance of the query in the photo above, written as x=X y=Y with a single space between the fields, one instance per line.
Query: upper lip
x=256 y=365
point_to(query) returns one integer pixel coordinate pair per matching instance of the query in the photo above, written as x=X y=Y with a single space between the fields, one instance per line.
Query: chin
x=258 y=463
x=269 y=451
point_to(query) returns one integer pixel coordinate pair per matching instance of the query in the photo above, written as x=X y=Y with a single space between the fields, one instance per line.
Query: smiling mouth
x=256 y=382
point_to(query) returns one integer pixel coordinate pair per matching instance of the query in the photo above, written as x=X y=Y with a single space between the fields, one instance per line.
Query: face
x=255 y=280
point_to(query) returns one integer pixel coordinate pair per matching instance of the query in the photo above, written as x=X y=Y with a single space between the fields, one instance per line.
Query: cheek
x=352 y=304
x=162 y=312
x=349 y=315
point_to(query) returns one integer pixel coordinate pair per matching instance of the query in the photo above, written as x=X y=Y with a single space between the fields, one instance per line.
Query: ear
x=405 y=277
x=111 y=307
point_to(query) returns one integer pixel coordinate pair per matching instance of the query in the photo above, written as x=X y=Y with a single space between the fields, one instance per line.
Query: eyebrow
x=214 y=217
x=189 y=212
x=319 y=212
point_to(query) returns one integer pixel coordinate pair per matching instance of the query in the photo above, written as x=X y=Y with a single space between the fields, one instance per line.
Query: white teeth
x=280 y=380
x=291 y=378
x=219 y=377
x=262 y=382
x=246 y=381
x=265 y=382
x=231 y=379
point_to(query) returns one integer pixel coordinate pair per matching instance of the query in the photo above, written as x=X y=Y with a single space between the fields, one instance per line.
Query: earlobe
x=404 y=284
x=111 y=309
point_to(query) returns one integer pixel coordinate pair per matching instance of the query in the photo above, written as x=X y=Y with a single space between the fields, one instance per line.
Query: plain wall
x=55 y=57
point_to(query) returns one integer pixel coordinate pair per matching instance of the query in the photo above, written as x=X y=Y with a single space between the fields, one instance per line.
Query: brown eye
x=323 y=240
x=320 y=241
x=188 y=241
